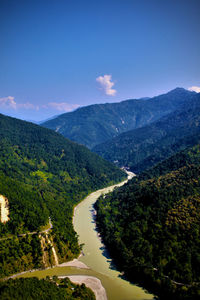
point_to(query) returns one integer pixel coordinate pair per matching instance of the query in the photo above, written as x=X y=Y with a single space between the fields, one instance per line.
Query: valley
x=140 y=235
x=99 y=150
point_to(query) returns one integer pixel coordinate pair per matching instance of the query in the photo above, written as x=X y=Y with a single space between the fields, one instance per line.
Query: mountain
x=94 y=124
x=151 y=227
x=144 y=147
x=42 y=175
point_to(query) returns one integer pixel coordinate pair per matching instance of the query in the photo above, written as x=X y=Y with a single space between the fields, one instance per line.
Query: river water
x=95 y=255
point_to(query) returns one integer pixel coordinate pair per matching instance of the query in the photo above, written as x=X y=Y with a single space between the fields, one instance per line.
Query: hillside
x=151 y=227
x=94 y=124
x=144 y=147
x=42 y=175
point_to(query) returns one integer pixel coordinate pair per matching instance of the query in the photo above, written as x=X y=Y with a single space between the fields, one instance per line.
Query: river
x=95 y=255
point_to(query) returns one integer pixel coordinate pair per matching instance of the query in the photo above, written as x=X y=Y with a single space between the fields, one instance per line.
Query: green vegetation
x=18 y=254
x=151 y=226
x=144 y=147
x=34 y=289
x=43 y=174
x=95 y=124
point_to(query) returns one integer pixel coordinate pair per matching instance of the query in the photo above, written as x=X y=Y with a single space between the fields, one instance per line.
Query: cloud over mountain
x=9 y=102
x=194 y=89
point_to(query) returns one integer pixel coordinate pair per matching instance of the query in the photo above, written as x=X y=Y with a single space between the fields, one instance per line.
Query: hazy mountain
x=94 y=124
x=151 y=226
x=46 y=120
x=142 y=148
x=42 y=175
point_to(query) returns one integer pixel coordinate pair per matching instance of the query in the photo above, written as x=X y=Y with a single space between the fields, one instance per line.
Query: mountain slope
x=151 y=226
x=142 y=148
x=94 y=124
x=42 y=174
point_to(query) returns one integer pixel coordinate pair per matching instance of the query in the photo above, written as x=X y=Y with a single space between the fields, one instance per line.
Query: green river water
x=95 y=256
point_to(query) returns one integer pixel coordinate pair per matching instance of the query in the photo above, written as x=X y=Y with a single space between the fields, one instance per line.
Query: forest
x=42 y=174
x=151 y=227
x=49 y=288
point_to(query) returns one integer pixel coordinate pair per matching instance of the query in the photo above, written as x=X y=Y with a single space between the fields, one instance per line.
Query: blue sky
x=58 y=55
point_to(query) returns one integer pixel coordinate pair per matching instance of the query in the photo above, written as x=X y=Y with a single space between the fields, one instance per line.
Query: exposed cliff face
x=4 y=209
x=49 y=256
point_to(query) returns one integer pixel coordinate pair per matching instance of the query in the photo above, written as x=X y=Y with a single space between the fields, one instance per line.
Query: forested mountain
x=142 y=148
x=151 y=226
x=42 y=174
x=94 y=124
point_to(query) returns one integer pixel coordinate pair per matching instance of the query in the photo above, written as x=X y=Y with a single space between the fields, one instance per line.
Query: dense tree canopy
x=34 y=289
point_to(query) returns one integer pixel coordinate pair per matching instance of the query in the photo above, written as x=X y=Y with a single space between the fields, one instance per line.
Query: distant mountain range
x=95 y=124
x=142 y=148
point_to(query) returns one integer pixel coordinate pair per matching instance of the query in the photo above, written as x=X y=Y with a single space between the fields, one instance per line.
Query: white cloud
x=8 y=102
x=62 y=106
x=194 y=89
x=106 y=84
x=28 y=105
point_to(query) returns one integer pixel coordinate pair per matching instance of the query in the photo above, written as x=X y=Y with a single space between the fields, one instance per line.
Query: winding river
x=95 y=255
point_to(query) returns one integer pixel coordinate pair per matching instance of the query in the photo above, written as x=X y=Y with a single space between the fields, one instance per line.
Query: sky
x=57 y=55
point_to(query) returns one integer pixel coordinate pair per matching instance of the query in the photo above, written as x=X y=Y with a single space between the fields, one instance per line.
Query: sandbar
x=91 y=282
x=74 y=263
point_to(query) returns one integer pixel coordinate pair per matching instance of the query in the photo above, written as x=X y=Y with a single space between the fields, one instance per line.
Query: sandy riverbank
x=74 y=263
x=91 y=282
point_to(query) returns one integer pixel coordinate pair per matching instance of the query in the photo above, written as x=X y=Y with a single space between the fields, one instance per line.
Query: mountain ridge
x=142 y=147
x=94 y=124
